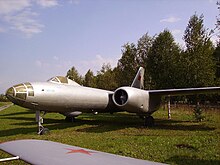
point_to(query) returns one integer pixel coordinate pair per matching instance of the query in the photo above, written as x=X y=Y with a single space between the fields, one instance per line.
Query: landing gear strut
x=149 y=121
x=39 y=120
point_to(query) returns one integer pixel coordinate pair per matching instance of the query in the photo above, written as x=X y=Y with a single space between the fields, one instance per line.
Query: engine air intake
x=120 y=97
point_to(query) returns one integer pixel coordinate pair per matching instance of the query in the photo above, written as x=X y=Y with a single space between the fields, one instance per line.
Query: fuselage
x=62 y=95
x=54 y=97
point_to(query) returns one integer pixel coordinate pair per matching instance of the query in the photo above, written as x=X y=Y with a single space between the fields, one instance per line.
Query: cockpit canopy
x=62 y=80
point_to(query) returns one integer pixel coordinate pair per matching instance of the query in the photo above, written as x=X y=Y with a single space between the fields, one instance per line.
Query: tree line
x=167 y=64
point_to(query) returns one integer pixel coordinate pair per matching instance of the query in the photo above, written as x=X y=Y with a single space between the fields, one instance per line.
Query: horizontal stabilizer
x=42 y=152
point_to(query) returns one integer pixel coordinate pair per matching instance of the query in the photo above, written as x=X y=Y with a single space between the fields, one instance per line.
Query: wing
x=41 y=152
x=185 y=91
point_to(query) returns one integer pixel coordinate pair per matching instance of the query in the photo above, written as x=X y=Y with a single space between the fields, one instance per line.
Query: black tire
x=149 y=121
x=44 y=131
x=70 y=119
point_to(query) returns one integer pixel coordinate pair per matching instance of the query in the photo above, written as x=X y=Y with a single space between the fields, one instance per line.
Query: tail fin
x=138 y=81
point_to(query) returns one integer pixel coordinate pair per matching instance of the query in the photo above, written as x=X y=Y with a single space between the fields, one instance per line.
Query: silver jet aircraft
x=62 y=95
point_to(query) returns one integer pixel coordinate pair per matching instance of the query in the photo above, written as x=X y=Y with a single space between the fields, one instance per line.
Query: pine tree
x=74 y=75
x=89 y=80
x=198 y=60
x=162 y=61
x=106 y=78
x=127 y=65
x=143 y=48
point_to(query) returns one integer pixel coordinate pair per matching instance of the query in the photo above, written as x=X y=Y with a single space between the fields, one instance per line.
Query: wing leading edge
x=185 y=91
x=42 y=152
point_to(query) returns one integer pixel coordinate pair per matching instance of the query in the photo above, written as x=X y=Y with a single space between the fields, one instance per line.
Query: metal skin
x=138 y=101
x=42 y=152
x=69 y=97
x=52 y=97
x=62 y=95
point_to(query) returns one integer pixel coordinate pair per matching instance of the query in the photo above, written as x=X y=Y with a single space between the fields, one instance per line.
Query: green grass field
x=177 y=141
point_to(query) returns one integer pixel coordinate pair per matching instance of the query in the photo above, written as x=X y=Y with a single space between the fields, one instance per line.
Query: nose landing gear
x=39 y=120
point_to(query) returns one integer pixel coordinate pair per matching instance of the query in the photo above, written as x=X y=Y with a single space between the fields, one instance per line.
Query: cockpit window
x=54 y=79
x=20 y=88
x=59 y=79
x=21 y=91
x=30 y=89
x=21 y=95
x=62 y=79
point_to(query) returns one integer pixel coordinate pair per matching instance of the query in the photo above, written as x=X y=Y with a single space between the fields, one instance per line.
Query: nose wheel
x=39 y=120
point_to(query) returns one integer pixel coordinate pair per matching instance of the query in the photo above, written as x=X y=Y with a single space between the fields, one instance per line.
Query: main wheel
x=70 y=119
x=44 y=131
x=149 y=121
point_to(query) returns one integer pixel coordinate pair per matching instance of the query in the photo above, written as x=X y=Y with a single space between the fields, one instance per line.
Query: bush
x=198 y=114
x=3 y=98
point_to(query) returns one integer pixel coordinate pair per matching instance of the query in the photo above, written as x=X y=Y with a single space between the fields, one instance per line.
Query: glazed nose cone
x=10 y=92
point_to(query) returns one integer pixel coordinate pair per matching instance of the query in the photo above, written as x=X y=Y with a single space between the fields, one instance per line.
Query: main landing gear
x=39 y=119
x=70 y=119
x=149 y=121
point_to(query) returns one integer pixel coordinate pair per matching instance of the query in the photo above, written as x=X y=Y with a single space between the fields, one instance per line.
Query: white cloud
x=55 y=58
x=2 y=30
x=170 y=19
x=61 y=66
x=47 y=3
x=75 y=2
x=38 y=63
x=176 y=31
x=11 y=6
x=42 y=64
x=56 y=63
x=19 y=15
x=96 y=64
x=24 y=22
x=178 y=35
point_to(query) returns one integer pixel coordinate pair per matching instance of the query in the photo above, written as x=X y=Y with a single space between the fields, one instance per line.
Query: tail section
x=138 y=81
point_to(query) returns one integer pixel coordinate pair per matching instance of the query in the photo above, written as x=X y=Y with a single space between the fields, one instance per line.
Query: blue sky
x=43 y=38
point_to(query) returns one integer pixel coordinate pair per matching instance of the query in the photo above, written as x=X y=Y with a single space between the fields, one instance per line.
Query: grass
x=4 y=103
x=180 y=140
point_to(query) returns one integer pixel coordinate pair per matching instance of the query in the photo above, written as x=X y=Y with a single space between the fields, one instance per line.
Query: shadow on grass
x=96 y=124
x=181 y=125
x=16 y=131
x=18 y=113
x=182 y=160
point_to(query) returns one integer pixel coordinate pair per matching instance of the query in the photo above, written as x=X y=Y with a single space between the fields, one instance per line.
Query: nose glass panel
x=10 y=92
x=21 y=95
x=30 y=89
x=20 y=88
x=21 y=91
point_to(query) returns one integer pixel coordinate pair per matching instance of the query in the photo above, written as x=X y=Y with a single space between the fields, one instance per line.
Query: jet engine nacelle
x=131 y=99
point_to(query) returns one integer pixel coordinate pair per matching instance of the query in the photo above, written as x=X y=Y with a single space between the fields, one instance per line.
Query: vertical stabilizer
x=138 y=81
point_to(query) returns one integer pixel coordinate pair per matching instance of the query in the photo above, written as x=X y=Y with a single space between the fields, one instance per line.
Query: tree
x=74 y=75
x=162 y=61
x=106 y=78
x=216 y=56
x=198 y=61
x=143 y=48
x=89 y=80
x=218 y=22
x=127 y=65
x=3 y=98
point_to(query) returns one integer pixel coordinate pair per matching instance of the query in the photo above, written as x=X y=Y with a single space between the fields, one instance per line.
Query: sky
x=40 y=39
